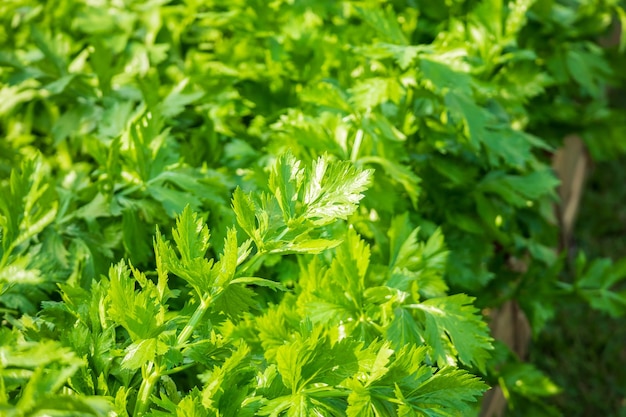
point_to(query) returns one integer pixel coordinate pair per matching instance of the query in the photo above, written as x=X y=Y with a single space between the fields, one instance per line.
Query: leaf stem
x=283 y=233
x=251 y=264
x=357 y=145
x=178 y=369
x=194 y=320
x=145 y=390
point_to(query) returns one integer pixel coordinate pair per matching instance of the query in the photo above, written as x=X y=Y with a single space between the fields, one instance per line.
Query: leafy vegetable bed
x=288 y=207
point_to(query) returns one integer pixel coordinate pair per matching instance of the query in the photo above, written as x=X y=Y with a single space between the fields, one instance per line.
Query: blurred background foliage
x=582 y=349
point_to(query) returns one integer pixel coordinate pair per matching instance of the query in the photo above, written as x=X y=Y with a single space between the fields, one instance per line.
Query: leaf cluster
x=314 y=201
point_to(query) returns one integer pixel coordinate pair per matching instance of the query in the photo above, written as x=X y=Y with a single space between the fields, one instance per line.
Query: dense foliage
x=289 y=207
